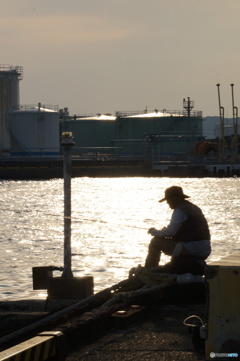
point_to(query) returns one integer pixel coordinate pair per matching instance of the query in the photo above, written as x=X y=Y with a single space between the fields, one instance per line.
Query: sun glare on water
x=110 y=220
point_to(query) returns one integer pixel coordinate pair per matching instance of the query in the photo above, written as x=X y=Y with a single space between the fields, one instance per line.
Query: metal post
x=188 y=105
x=235 y=129
x=67 y=143
x=222 y=143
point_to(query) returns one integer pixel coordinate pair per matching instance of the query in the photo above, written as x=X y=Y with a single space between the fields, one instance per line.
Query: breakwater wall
x=53 y=168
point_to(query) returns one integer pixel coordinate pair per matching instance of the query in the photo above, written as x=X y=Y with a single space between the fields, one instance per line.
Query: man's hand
x=152 y=231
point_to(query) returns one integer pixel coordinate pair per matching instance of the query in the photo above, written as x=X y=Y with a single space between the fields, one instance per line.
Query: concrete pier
x=158 y=336
x=158 y=333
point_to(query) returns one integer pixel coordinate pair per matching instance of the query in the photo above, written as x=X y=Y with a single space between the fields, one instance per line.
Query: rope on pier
x=127 y=297
x=81 y=306
x=120 y=294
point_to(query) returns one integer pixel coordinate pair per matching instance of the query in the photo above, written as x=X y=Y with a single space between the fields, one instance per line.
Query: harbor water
x=110 y=219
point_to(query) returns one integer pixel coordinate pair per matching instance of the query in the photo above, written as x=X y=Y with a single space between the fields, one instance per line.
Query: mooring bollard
x=67 y=143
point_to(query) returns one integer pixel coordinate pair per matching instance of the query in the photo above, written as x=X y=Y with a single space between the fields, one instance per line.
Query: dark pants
x=157 y=246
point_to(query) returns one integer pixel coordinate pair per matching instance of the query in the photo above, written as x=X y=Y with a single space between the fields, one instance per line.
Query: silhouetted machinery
x=204 y=148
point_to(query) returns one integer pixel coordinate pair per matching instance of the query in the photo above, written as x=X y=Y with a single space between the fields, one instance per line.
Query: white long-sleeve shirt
x=195 y=248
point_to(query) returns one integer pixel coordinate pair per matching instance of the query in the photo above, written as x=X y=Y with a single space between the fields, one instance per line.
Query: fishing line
x=76 y=220
x=106 y=222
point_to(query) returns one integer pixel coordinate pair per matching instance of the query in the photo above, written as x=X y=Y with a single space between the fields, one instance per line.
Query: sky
x=102 y=56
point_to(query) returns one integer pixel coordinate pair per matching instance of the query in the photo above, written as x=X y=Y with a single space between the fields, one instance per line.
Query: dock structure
x=149 y=323
x=137 y=323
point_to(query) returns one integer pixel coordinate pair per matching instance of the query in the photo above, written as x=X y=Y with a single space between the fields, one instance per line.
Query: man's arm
x=177 y=219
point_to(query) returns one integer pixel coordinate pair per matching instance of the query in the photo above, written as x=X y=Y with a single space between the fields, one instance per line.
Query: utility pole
x=68 y=287
x=234 y=142
x=221 y=140
x=67 y=143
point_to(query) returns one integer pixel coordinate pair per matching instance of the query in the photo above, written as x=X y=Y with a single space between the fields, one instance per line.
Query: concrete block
x=70 y=288
x=223 y=326
x=41 y=277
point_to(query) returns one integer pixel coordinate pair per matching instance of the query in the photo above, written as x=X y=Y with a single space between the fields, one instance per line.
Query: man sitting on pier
x=186 y=238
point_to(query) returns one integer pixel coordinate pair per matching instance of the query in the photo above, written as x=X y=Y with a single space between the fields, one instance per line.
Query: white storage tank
x=34 y=131
x=9 y=96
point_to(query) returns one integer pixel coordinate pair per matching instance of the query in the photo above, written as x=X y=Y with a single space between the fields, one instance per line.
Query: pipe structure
x=188 y=105
x=234 y=142
x=67 y=143
x=221 y=140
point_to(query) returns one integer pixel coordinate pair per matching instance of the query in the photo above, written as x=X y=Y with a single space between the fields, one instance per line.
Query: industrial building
x=34 y=130
x=25 y=130
x=143 y=142
x=9 y=96
x=159 y=134
x=92 y=134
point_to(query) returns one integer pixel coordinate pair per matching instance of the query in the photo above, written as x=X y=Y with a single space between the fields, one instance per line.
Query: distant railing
x=193 y=113
x=35 y=107
x=29 y=153
x=13 y=69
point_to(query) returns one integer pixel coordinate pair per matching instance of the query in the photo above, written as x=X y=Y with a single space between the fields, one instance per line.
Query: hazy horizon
x=103 y=56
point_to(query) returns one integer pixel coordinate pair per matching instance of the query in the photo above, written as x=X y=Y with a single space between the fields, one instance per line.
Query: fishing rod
x=100 y=221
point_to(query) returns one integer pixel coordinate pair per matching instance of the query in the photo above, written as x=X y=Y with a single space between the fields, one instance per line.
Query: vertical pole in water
x=67 y=143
